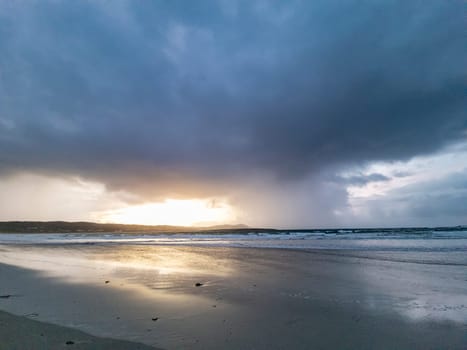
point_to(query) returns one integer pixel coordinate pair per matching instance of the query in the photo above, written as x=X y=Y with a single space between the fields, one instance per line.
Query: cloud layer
x=202 y=99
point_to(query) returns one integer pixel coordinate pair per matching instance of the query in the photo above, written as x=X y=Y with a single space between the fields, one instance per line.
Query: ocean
x=363 y=240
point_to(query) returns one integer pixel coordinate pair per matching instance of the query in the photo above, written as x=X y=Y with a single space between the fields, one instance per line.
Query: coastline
x=19 y=333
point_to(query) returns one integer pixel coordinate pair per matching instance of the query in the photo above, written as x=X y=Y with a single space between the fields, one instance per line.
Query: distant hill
x=90 y=227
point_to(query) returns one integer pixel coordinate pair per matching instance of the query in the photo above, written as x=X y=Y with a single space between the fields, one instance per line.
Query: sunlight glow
x=192 y=212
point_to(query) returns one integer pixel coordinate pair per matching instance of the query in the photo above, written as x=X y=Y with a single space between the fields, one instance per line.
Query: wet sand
x=20 y=333
x=249 y=298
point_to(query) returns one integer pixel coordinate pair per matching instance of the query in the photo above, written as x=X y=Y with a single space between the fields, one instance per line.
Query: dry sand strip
x=20 y=333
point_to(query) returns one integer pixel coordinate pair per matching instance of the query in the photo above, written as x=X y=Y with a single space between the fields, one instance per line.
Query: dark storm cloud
x=362 y=180
x=169 y=93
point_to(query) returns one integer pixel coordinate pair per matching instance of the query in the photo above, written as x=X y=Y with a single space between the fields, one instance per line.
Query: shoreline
x=21 y=332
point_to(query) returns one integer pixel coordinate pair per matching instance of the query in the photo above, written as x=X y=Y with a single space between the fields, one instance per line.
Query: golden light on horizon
x=177 y=212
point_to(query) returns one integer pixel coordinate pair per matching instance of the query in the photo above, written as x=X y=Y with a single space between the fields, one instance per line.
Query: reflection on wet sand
x=84 y=264
x=266 y=299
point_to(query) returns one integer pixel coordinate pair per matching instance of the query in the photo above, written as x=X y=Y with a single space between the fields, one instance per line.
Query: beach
x=19 y=333
x=213 y=297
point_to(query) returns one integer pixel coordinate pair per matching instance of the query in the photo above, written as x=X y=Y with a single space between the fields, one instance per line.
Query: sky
x=292 y=114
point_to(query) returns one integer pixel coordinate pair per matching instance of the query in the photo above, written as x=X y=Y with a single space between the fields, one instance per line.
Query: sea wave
x=383 y=241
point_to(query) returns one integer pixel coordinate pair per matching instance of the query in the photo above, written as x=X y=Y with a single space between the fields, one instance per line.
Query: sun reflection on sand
x=145 y=266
